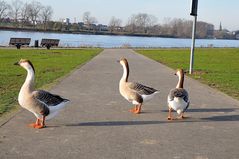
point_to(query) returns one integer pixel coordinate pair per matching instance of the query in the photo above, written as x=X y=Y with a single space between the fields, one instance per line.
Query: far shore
x=87 y=32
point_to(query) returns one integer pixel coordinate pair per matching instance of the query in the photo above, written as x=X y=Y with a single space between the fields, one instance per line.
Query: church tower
x=220 y=27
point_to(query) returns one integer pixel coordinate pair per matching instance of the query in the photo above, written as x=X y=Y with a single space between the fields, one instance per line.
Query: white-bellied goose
x=134 y=92
x=42 y=104
x=178 y=99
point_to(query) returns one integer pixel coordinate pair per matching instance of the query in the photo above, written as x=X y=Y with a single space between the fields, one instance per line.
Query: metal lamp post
x=193 y=13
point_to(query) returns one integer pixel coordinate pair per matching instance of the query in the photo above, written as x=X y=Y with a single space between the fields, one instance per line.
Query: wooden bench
x=48 y=43
x=18 y=42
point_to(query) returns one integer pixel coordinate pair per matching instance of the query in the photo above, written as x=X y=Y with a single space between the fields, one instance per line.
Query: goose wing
x=48 y=98
x=141 y=89
x=178 y=92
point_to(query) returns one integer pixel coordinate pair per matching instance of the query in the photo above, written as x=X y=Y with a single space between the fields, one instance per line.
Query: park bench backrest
x=20 y=41
x=51 y=42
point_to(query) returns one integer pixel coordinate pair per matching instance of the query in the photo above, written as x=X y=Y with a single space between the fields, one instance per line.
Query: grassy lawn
x=217 y=67
x=49 y=65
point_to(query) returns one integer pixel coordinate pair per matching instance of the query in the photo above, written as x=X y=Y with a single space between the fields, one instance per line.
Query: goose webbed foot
x=138 y=109
x=181 y=117
x=37 y=123
x=170 y=118
x=39 y=126
x=133 y=109
x=33 y=125
x=40 y=123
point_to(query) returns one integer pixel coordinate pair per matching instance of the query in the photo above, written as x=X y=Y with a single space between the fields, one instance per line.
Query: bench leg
x=18 y=46
x=48 y=47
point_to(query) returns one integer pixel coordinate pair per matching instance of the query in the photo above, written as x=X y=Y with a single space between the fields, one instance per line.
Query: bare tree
x=155 y=30
x=176 y=28
x=46 y=15
x=25 y=10
x=183 y=28
x=165 y=26
x=4 y=7
x=144 y=21
x=131 y=25
x=141 y=22
x=114 y=24
x=34 y=11
x=16 y=9
x=57 y=26
x=204 y=30
x=88 y=19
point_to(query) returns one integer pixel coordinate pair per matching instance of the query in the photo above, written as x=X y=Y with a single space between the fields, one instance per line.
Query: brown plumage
x=42 y=104
x=132 y=91
x=178 y=98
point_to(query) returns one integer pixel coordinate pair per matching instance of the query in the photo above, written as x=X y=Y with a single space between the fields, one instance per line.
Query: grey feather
x=178 y=92
x=186 y=107
x=141 y=89
x=48 y=98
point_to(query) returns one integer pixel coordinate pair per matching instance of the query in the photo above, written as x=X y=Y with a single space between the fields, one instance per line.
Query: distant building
x=236 y=33
x=101 y=27
x=66 y=21
x=237 y=36
x=81 y=24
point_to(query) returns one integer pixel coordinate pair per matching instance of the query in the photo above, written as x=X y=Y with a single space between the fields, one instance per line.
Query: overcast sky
x=211 y=11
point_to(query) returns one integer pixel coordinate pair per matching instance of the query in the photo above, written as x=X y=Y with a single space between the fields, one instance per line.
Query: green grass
x=49 y=65
x=217 y=67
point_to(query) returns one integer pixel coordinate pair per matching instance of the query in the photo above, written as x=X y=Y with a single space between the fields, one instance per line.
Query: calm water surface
x=107 y=41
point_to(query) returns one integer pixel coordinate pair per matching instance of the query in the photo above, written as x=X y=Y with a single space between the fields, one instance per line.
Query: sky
x=210 y=11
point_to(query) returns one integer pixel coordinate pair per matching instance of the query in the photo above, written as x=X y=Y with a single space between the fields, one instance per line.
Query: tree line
x=34 y=15
x=26 y=14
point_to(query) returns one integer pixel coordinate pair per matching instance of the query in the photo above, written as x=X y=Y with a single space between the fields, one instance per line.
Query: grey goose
x=178 y=98
x=42 y=104
x=132 y=91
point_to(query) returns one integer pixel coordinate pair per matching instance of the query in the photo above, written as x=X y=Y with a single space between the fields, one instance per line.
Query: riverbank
x=86 y=32
x=113 y=41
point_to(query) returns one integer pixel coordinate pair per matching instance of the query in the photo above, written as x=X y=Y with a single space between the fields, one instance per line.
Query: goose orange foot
x=36 y=126
x=133 y=109
x=181 y=117
x=33 y=125
x=39 y=126
x=137 y=110
x=170 y=118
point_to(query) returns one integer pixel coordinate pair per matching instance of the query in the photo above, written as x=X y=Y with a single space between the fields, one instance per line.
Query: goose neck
x=29 y=82
x=125 y=73
x=180 y=81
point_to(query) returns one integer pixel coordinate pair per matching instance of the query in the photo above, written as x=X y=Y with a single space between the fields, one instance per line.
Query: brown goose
x=178 y=98
x=134 y=92
x=42 y=104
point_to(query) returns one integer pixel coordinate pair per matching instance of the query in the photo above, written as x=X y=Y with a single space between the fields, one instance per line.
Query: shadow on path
x=223 y=118
x=225 y=110
x=154 y=122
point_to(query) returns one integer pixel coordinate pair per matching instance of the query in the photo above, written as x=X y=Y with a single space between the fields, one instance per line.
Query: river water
x=108 y=41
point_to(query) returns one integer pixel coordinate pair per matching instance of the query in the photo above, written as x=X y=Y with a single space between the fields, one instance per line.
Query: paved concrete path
x=97 y=124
